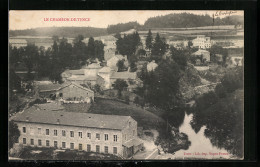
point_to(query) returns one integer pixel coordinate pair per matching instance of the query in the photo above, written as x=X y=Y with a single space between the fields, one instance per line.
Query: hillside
x=185 y=20
x=144 y=118
x=69 y=32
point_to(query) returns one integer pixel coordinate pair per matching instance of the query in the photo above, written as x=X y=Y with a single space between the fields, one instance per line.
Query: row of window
x=63 y=132
x=63 y=145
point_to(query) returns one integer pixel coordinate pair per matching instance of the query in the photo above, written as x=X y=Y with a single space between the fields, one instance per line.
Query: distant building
x=96 y=74
x=41 y=126
x=202 y=42
x=67 y=92
x=151 y=66
x=112 y=62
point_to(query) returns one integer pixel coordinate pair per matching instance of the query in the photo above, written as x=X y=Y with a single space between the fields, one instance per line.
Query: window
x=80 y=147
x=115 y=137
x=80 y=134
x=106 y=149
x=129 y=123
x=39 y=142
x=47 y=132
x=32 y=142
x=39 y=131
x=88 y=148
x=55 y=133
x=133 y=132
x=72 y=146
x=125 y=136
x=106 y=136
x=24 y=129
x=97 y=148
x=114 y=150
x=98 y=136
x=63 y=133
x=89 y=135
x=63 y=145
x=55 y=144
x=24 y=140
x=71 y=134
x=47 y=143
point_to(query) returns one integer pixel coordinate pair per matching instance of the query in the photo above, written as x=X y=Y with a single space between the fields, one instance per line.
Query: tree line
x=221 y=111
x=69 y=32
x=51 y=62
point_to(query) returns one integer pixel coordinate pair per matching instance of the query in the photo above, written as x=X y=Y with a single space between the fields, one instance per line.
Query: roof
x=37 y=115
x=105 y=70
x=76 y=72
x=49 y=87
x=93 y=66
x=56 y=87
x=123 y=75
x=200 y=51
x=133 y=142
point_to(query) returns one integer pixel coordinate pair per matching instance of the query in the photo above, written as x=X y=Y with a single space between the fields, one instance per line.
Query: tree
x=215 y=49
x=80 y=51
x=99 y=50
x=180 y=57
x=128 y=45
x=159 y=48
x=119 y=85
x=120 y=65
x=91 y=48
x=13 y=134
x=190 y=44
x=149 y=40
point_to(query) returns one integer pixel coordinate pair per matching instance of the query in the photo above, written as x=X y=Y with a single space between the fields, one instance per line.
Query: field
x=144 y=118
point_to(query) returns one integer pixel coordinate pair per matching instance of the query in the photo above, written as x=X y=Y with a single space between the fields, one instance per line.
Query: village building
x=68 y=92
x=112 y=62
x=151 y=66
x=202 y=42
x=41 y=126
x=103 y=76
x=204 y=53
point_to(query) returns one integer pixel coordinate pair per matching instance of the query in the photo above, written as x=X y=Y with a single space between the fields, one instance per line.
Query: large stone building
x=202 y=42
x=111 y=134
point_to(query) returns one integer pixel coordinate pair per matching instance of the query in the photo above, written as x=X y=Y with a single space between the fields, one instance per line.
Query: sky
x=21 y=19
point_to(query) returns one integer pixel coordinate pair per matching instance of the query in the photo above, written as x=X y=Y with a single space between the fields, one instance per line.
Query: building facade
x=78 y=131
x=202 y=42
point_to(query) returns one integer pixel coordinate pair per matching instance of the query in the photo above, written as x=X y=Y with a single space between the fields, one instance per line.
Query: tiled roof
x=49 y=87
x=133 y=142
x=76 y=72
x=105 y=70
x=93 y=66
x=56 y=87
x=199 y=52
x=123 y=75
x=38 y=115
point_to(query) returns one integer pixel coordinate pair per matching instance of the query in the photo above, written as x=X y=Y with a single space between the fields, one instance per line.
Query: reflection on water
x=201 y=146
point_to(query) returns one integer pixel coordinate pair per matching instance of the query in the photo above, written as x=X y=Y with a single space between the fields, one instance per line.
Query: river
x=200 y=148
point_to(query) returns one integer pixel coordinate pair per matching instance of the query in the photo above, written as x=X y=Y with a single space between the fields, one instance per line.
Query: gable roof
x=105 y=70
x=93 y=66
x=123 y=75
x=56 y=87
x=200 y=52
x=36 y=114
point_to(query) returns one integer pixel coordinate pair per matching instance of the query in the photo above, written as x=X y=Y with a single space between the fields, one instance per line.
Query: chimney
x=58 y=121
x=27 y=119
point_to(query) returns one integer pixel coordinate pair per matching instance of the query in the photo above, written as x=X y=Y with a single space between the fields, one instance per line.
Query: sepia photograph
x=126 y=85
